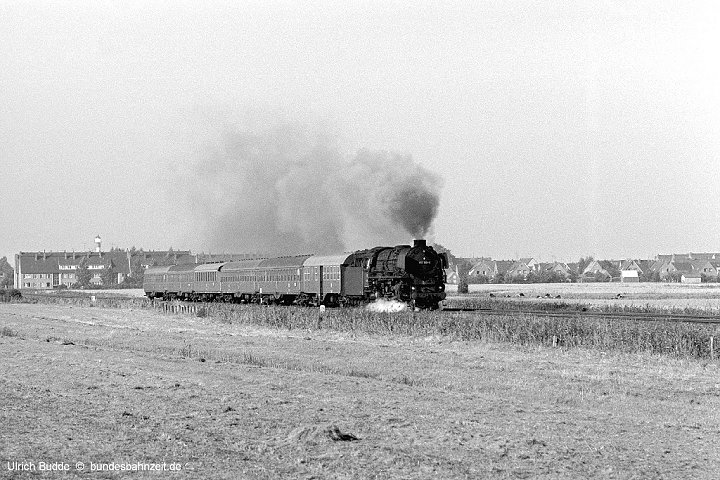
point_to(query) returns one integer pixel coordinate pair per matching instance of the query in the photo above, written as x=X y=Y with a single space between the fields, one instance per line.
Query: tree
x=674 y=277
x=6 y=274
x=137 y=273
x=649 y=276
x=583 y=263
x=83 y=274
x=109 y=275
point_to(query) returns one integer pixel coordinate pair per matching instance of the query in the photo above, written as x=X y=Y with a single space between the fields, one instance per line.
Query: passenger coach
x=303 y=280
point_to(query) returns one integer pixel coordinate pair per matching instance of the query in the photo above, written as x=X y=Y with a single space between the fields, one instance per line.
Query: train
x=413 y=274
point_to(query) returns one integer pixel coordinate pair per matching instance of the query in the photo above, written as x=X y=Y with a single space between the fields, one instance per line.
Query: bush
x=462 y=287
x=7 y=294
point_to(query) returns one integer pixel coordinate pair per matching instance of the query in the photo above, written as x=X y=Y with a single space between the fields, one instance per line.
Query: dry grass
x=676 y=339
x=235 y=400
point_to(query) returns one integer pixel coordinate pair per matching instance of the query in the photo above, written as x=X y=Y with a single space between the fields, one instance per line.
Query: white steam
x=386 y=306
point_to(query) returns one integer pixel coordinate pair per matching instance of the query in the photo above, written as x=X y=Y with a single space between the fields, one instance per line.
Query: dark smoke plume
x=283 y=192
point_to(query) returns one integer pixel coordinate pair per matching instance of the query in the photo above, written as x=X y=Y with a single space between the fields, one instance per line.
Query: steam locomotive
x=411 y=274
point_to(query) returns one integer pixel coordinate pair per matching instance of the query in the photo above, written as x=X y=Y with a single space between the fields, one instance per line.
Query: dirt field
x=228 y=401
x=654 y=295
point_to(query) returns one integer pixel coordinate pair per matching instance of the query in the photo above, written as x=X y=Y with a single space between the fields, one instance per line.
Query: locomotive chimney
x=420 y=243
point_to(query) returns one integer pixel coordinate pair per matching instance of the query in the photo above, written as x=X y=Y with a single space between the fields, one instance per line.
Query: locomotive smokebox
x=420 y=243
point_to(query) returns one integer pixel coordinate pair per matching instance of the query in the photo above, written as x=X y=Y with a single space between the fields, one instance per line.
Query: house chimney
x=420 y=243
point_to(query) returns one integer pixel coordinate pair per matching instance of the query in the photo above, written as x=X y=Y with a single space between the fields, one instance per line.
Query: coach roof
x=317 y=260
x=210 y=267
x=284 y=262
x=241 y=265
x=163 y=269
x=186 y=267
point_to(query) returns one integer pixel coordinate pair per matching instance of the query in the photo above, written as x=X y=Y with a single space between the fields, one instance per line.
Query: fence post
x=712 y=353
x=554 y=341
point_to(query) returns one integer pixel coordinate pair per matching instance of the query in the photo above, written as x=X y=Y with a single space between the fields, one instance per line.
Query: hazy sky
x=559 y=129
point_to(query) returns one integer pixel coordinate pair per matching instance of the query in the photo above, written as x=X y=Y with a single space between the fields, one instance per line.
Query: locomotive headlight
x=413 y=288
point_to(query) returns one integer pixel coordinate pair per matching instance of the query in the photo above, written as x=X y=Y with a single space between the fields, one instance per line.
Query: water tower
x=97 y=243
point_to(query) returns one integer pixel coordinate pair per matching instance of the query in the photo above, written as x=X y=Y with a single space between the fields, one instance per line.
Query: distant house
x=683 y=267
x=630 y=265
x=484 y=268
x=716 y=265
x=452 y=276
x=557 y=268
x=492 y=269
x=532 y=264
x=594 y=268
x=606 y=269
x=690 y=278
x=518 y=270
x=47 y=270
x=705 y=267
x=657 y=266
x=669 y=268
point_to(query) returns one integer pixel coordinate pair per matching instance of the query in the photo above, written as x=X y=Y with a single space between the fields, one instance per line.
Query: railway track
x=642 y=316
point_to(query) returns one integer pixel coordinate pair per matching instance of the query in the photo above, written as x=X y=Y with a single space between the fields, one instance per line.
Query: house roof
x=683 y=267
x=519 y=265
x=609 y=266
x=50 y=262
x=30 y=265
x=488 y=264
x=705 y=256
